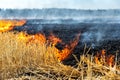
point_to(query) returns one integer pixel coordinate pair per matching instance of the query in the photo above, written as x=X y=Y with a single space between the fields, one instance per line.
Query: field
x=28 y=54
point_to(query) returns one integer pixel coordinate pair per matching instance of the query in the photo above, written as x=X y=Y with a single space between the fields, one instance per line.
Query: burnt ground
x=95 y=35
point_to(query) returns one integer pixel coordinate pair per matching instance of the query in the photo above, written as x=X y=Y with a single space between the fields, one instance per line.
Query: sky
x=72 y=4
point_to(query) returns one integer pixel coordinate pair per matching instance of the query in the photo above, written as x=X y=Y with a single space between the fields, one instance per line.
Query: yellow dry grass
x=19 y=61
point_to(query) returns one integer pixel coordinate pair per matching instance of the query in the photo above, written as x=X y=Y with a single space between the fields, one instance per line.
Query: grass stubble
x=19 y=61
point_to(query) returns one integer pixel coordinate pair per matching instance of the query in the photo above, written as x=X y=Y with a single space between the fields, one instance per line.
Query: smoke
x=99 y=32
x=54 y=13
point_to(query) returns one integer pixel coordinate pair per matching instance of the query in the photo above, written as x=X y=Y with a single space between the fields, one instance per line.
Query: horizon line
x=60 y=8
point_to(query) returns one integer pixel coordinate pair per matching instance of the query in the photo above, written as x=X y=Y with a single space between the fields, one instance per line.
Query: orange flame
x=6 y=25
x=40 y=38
x=23 y=37
x=97 y=61
x=101 y=58
x=110 y=60
x=53 y=39
x=37 y=38
x=103 y=51
x=63 y=54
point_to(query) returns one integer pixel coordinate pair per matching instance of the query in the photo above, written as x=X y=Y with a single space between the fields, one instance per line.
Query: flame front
x=6 y=25
x=64 y=53
x=41 y=39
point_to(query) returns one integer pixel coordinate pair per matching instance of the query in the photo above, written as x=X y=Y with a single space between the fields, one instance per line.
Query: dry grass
x=19 y=61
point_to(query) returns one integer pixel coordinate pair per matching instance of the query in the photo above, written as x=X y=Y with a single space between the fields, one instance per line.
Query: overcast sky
x=77 y=4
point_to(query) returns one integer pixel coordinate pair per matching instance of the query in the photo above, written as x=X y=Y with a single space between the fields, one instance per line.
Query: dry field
x=21 y=61
x=35 y=57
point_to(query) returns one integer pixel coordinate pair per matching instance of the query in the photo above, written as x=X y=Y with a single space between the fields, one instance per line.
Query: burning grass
x=6 y=25
x=18 y=59
x=36 y=56
x=38 y=61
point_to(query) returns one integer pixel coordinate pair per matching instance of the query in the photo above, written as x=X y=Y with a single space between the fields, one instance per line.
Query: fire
x=41 y=39
x=37 y=38
x=103 y=59
x=23 y=37
x=6 y=25
x=64 y=53
x=103 y=51
x=100 y=58
x=53 y=39
x=96 y=58
x=110 y=60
